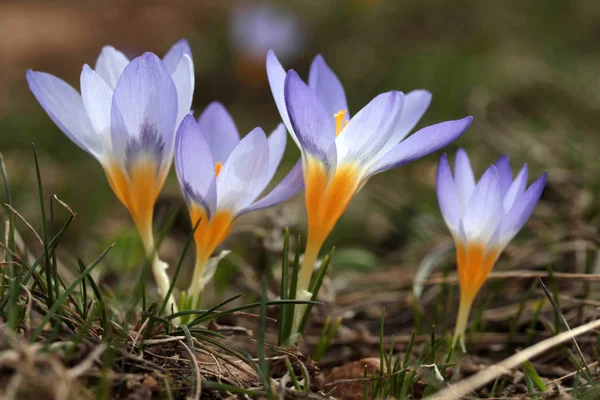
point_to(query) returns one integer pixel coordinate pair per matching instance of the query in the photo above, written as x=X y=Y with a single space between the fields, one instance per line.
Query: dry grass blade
x=466 y=386
x=198 y=383
x=18 y=215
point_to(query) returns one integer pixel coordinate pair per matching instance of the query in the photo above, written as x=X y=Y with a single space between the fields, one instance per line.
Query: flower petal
x=65 y=108
x=277 y=141
x=463 y=177
x=277 y=75
x=420 y=144
x=286 y=189
x=309 y=120
x=194 y=165
x=175 y=53
x=415 y=105
x=447 y=196
x=97 y=100
x=522 y=210
x=110 y=65
x=143 y=111
x=504 y=173
x=220 y=130
x=484 y=210
x=244 y=173
x=183 y=77
x=368 y=131
x=327 y=87
x=516 y=189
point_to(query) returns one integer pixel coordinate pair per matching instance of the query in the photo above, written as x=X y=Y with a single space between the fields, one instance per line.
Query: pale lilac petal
x=244 y=173
x=463 y=177
x=183 y=77
x=447 y=196
x=420 y=144
x=143 y=112
x=328 y=88
x=286 y=189
x=516 y=189
x=522 y=210
x=277 y=141
x=175 y=53
x=484 y=210
x=309 y=120
x=277 y=75
x=220 y=130
x=97 y=100
x=370 y=129
x=110 y=65
x=65 y=108
x=504 y=173
x=194 y=165
x=415 y=105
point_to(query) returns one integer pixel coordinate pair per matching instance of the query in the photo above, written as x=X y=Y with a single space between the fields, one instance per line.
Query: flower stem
x=197 y=285
x=462 y=319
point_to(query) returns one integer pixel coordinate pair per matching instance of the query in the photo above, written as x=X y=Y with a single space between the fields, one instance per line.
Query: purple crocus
x=482 y=217
x=222 y=176
x=340 y=153
x=126 y=117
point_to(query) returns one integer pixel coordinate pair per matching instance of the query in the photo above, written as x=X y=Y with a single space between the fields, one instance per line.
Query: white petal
x=183 y=76
x=110 y=65
x=97 y=99
x=463 y=177
x=516 y=189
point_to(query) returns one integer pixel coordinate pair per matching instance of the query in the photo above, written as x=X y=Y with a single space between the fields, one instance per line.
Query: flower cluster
x=134 y=118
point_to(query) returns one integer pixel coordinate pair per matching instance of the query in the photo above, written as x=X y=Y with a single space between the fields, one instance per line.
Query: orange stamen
x=218 y=168
x=339 y=121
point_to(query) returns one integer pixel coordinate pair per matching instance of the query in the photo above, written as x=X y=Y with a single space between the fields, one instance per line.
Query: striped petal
x=65 y=108
x=420 y=144
x=516 y=189
x=368 y=131
x=520 y=212
x=220 y=130
x=463 y=176
x=447 y=196
x=327 y=87
x=277 y=75
x=484 y=209
x=143 y=112
x=244 y=173
x=309 y=120
x=291 y=185
x=195 y=166
x=110 y=65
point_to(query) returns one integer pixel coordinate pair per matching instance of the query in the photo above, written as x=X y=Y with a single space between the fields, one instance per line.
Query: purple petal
x=110 y=65
x=370 y=129
x=522 y=210
x=327 y=87
x=244 y=173
x=463 y=176
x=516 y=189
x=504 y=173
x=309 y=120
x=220 y=130
x=415 y=105
x=194 y=165
x=143 y=113
x=286 y=189
x=484 y=210
x=175 y=53
x=277 y=75
x=65 y=108
x=420 y=144
x=447 y=196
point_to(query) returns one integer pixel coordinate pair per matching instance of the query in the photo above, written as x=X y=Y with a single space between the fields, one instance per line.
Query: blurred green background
x=528 y=71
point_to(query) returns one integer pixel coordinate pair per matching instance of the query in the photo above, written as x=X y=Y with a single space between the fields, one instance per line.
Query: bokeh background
x=528 y=71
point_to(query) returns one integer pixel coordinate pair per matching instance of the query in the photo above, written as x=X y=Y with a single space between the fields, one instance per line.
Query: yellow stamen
x=339 y=121
x=218 y=168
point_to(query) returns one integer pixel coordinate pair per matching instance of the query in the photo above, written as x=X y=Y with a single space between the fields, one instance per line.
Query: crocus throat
x=211 y=231
x=474 y=263
x=340 y=124
x=218 y=168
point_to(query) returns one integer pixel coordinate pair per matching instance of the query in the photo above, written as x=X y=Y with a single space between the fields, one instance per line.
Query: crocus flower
x=221 y=177
x=482 y=218
x=339 y=153
x=126 y=117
